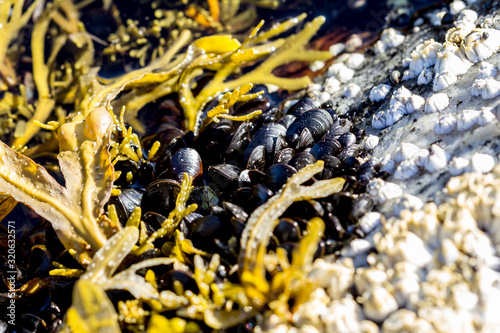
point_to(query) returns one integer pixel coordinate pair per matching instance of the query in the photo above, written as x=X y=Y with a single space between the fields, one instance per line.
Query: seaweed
x=264 y=219
x=73 y=209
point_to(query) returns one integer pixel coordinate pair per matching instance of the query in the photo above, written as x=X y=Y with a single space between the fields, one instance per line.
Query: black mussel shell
x=317 y=121
x=160 y=197
x=183 y=278
x=301 y=160
x=225 y=177
x=257 y=159
x=271 y=136
x=287 y=120
x=303 y=105
x=284 y=155
x=278 y=174
x=205 y=197
x=338 y=128
x=346 y=140
x=40 y=262
x=287 y=230
x=126 y=201
x=325 y=148
x=186 y=160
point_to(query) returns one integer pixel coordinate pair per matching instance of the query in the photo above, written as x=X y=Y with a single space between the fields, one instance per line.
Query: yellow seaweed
x=261 y=223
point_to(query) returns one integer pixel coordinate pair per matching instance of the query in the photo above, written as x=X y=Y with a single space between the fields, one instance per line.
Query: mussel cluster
x=236 y=167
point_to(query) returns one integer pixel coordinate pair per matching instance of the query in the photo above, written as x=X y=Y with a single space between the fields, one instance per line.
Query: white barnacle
x=406 y=170
x=414 y=103
x=316 y=65
x=371 y=141
x=378 y=120
x=342 y=72
x=355 y=60
x=383 y=191
x=486 y=88
x=451 y=59
x=387 y=164
x=443 y=80
x=467 y=119
x=481 y=44
x=436 y=16
x=445 y=125
x=425 y=77
x=378 y=303
x=351 y=90
x=388 y=39
x=424 y=56
x=405 y=151
x=353 y=43
x=370 y=221
x=408 y=202
x=485 y=116
x=379 y=92
x=468 y=15
x=437 y=103
x=400 y=95
x=395 y=113
x=486 y=70
x=420 y=157
x=331 y=85
x=438 y=158
x=456 y=7
x=482 y=163
x=336 y=49
x=458 y=165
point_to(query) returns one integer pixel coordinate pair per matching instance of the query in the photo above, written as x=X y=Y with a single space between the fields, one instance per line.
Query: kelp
x=73 y=209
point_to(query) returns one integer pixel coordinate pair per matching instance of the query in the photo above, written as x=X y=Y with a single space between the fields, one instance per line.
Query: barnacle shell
x=445 y=125
x=467 y=119
x=437 y=103
x=437 y=160
x=486 y=70
x=379 y=92
x=480 y=44
x=486 y=88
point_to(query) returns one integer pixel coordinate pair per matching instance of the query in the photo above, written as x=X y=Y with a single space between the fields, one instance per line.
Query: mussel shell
x=278 y=174
x=346 y=140
x=186 y=160
x=270 y=116
x=125 y=167
x=225 y=176
x=301 y=160
x=287 y=230
x=303 y=105
x=239 y=141
x=257 y=159
x=349 y=151
x=153 y=220
x=205 y=197
x=287 y=120
x=284 y=155
x=28 y=322
x=271 y=136
x=126 y=201
x=166 y=281
x=338 y=128
x=160 y=197
x=325 y=148
x=317 y=121
x=305 y=140
x=40 y=262
x=205 y=229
